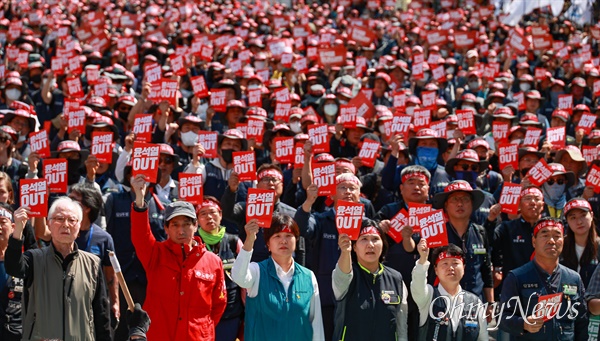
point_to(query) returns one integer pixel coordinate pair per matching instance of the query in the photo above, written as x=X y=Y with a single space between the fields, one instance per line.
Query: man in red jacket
x=186 y=293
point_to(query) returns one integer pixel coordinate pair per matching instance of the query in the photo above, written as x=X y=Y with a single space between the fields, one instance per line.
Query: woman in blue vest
x=580 y=251
x=227 y=247
x=282 y=302
x=371 y=297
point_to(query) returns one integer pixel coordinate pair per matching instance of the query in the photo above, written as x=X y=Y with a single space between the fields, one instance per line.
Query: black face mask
x=73 y=167
x=524 y=171
x=36 y=79
x=227 y=155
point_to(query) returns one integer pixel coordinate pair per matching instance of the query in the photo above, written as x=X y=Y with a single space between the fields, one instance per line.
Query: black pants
x=138 y=293
x=328 y=312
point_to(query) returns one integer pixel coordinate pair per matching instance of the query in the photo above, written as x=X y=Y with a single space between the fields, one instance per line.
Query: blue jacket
x=278 y=315
x=529 y=282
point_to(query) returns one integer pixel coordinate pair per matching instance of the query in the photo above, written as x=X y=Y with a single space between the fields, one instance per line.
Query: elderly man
x=540 y=277
x=186 y=286
x=65 y=293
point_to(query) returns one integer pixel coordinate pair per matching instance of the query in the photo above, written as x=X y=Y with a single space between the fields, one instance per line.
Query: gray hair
x=66 y=201
x=348 y=177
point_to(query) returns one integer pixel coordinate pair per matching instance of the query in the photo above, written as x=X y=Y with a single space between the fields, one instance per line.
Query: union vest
x=276 y=315
x=59 y=302
x=11 y=322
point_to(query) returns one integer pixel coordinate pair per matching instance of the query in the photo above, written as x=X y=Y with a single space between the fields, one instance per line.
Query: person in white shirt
x=283 y=296
x=440 y=306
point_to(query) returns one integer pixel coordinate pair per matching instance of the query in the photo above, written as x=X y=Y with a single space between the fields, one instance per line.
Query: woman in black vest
x=226 y=246
x=580 y=251
x=440 y=316
x=371 y=297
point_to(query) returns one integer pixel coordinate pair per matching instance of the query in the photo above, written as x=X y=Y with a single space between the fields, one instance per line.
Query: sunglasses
x=465 y=167
x=168 y=160
x=552 y=181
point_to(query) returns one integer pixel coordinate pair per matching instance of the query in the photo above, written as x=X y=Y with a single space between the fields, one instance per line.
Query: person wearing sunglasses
x=467 y=166
x=166 y=189
x=555 y=190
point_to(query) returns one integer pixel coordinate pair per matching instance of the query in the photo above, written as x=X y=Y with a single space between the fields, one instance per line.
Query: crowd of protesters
x=425 y=108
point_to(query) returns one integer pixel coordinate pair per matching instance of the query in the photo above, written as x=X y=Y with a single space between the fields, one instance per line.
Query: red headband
x=209 y=203
x=547 y=223
x=353 y=179
x=286 y=229
x=417 y=175
x=370 y=230
x=270 y=172
x=444 y=255
x=532 y=191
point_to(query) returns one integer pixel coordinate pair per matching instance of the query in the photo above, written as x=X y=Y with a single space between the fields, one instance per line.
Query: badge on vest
x=570 y=289
x=479 y=249
x=471 y=324
x=529 y=285
x=390 y=297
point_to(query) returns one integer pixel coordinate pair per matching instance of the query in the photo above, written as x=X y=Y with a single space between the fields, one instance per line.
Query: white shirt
x=579 y=252
x=423 y=295
x=247 y=276
x=164 y=193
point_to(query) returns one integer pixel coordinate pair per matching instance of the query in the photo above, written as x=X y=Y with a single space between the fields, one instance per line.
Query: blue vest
x=276 y=315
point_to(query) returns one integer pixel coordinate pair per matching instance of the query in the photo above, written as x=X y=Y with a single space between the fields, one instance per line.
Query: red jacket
x=185 y=298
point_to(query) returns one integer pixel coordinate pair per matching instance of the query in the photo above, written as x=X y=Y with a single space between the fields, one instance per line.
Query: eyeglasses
x=347 y=188
x=552 y=181
x=61 y=220
x=168 y=160
x=459 y=200
x=268 y=179
x=465 y=167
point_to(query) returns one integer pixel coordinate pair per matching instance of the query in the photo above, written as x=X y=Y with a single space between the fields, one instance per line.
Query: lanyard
x=89 y=241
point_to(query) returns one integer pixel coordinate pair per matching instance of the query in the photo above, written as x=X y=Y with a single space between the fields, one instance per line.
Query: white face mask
x=296 y=127
x=382 y=129
x=13 y=94
x=410 y=111
x=254 y=86
x=524 y=86
x=427 y=76
x=201 y=111
x=474 y=85
x=444 y=53
x=342 y=102
x=22 y=138
x=521 y=59
x=450 y=70
x=293 y=79
x=468 y=107
x=493 y=60
x=259 y=65
x=330 y=109
x=189 y=139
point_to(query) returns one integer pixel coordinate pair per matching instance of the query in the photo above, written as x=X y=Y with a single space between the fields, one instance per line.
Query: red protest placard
x=362 y=35
x=254 y=99
x=509 y=198
x=413 y=210
x=317 y=134
x=76 y=121
x=542 y=42
x=145 y=160
x=348 y=218
x=178 y=65
x=152 y=72
x=199 y=86
x=433 y=228
x=324 y=177
x=532 y=137
x=347 y=117
x=368 y=152
x=298 y=155
x=102 y=146
x=400 y=124
x=520 y=98
x=539 y=73
x=590 y=153
x=34 y=194
x=92 y=72
x=142 y=127
x=399 y=99
x=256 y=129
x=500 y=131
x=284 y=149
x=593 y=178
x=282 y=111
x=548 y=306
x=55 y=173
x=539 y=173
x=168 y=91
x=466 y=122
x=465 y=39
x=40 y=143
x=217 y=99
x=398 y=222
x=597 y=88
x=440 y=127
x=260 y=204
x=364 y=105
x=74 y=86
x=421 y=118
x=556 y=136
x=508 y=155
x=565 y=102
x=190 y=188
x=587 y=122
x=206 y=54
x=428 y=99
x=245 y=165
x=208 y=140
x=332 y=56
